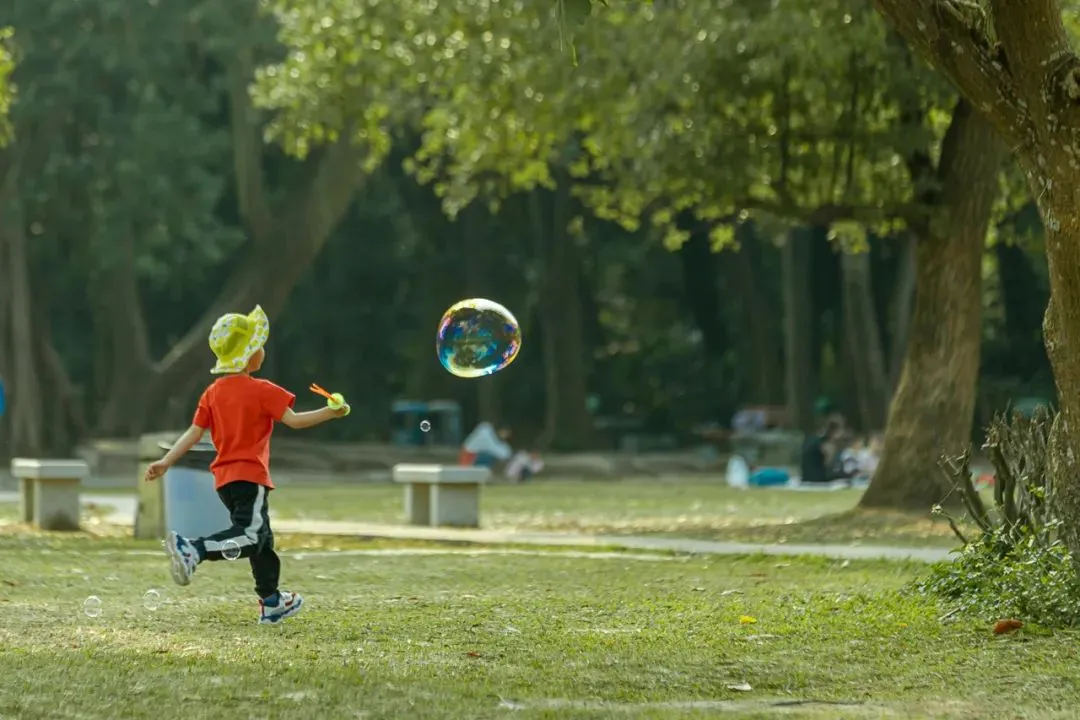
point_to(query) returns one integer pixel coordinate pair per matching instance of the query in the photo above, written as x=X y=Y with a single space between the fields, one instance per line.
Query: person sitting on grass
x=240 y=412
x=818 y=452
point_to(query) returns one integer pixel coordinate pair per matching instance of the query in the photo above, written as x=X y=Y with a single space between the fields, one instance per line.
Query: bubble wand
x=334 y=401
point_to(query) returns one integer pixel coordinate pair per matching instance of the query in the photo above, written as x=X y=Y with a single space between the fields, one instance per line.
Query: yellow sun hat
x=235 y=338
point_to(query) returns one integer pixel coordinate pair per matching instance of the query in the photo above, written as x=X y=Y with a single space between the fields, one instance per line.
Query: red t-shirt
x=240 y=412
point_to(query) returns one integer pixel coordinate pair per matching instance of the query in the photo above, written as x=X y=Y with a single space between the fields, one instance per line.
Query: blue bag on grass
x=769 y=477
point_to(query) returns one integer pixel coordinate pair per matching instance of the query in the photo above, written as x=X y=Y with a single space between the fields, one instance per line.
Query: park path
x=124 y=506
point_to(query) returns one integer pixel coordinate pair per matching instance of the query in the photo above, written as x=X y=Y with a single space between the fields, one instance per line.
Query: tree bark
x=473 y=224
x=761 y=334
x=799 y=319
x=933 y=408
x=862 y=336
x=567 y=423
x=1025 y=79
x=24 y=384
x=269 y=269
x=900 y=310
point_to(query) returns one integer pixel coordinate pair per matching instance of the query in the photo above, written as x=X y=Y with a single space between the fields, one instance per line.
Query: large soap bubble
x=477 y=337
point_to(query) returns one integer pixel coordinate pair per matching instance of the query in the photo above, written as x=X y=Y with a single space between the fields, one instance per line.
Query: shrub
x=1018 y=566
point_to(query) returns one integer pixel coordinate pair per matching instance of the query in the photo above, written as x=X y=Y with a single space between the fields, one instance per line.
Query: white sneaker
x=288 y=605
x=183 y=558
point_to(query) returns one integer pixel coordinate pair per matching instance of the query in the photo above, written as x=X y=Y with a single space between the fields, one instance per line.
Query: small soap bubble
x=230 y=550
x=477 y=337
x=151 y=600
x=92 y=606
x=425 y=426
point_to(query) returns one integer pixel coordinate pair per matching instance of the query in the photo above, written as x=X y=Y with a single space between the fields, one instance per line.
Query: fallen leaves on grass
x=747 y=620
x=1002 y=627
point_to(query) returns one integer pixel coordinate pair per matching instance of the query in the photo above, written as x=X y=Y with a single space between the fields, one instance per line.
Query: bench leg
x=26 y=500
x=455 y=505
x=418 y=503
x=56 y=504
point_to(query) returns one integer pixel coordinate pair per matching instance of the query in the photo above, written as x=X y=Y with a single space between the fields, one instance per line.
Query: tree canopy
x=789 y=108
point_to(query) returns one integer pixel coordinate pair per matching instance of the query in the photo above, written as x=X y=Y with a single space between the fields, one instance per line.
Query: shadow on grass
x=856 y=526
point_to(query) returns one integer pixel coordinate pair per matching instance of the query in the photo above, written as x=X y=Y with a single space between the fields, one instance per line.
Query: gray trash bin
x=192 y=506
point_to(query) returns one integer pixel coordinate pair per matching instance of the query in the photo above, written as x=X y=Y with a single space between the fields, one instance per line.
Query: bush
x=1018 y=566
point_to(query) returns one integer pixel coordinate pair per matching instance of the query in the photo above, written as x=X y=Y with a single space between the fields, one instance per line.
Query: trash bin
x=192 y=506
x=150 y=513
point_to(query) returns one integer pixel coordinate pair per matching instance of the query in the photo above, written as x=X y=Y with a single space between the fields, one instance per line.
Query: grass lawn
x=683 y=507
x=428 y=632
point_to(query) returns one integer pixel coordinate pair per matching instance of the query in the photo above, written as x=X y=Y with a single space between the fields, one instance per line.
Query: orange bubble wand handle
x=336 y=402
x=319 y=391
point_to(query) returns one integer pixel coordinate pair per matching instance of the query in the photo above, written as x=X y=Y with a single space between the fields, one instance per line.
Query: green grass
x=680 y=507
x=683 y=508
x=467 y=634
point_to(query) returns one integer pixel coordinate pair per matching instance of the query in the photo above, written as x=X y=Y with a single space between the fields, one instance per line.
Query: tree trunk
x=127 y=348
x=1020 y=70
x=268 y=270
x=900 y=310
x=801 y=381
x=474 y=224
x=761 y=335
x=933 y=408
x=862 y=336
x=567 y=423
x=23 y=386
x=702 y=293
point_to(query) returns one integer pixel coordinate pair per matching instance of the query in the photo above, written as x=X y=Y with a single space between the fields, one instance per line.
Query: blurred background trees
x=691 y=207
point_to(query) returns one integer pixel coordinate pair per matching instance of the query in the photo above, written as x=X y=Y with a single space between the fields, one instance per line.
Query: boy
x=240 y=412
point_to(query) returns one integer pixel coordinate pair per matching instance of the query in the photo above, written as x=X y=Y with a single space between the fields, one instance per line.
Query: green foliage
x=712 y=107
x=118 y=133
x=1028 y=581
x=7 y=90
x=1019 y=566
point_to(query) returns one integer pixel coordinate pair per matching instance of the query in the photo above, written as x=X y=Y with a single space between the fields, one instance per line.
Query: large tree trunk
x=933 y=408
x=1022 y=73
x=900 y=309
x=862 y=336
x=799 y=318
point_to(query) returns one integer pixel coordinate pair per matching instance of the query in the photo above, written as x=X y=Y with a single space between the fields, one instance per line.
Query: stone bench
x=49 y=491
x=442 y=495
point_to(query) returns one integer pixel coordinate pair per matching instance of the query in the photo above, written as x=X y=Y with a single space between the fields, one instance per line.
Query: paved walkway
x=124 y=514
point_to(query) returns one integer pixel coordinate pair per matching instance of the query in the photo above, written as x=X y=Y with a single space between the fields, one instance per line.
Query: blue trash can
x=192 y=506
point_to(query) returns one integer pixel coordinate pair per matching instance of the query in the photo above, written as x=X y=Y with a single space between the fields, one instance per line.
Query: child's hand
x=156 y=470
x=338 y=406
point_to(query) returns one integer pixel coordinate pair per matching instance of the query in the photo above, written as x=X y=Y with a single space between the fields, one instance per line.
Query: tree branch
x=254 y=204
x=1047 y=71
x=953 y=36
x=828 y=213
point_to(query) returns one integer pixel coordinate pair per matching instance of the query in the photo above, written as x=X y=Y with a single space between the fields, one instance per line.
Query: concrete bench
x=442 y=495
x=49 y=491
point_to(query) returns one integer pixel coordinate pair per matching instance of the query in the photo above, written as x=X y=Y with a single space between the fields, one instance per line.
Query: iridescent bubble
x=151 y=600
x=477 y=337
x=230 y=550
x=92 y=606
x=425 y=426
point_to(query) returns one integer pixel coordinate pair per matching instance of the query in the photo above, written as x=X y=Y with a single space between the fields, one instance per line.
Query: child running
x=240 y=412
